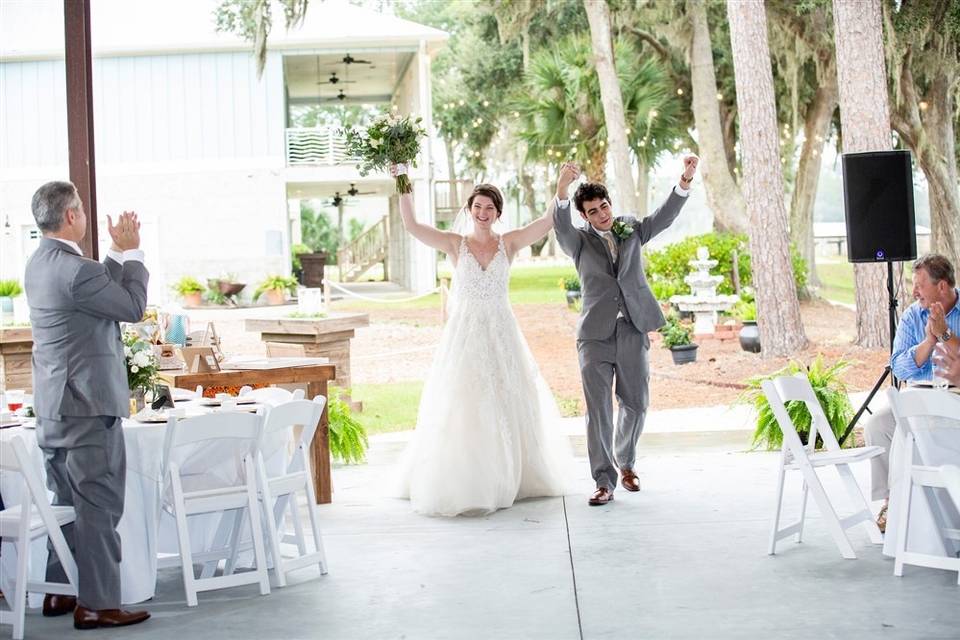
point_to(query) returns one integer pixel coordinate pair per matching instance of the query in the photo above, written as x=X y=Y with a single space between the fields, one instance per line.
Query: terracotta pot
x=275 y=296
x=192 y=299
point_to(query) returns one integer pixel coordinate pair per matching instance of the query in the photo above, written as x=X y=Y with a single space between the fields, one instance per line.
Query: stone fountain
x=704 y=302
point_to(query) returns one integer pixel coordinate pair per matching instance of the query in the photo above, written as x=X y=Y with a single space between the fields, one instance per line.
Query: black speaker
x=878 y=206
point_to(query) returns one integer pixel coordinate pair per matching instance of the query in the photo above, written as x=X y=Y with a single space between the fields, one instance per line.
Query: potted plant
x=830 y=390
x=190 y=290
x=224 y=290
x=677 y=338
x=348 y=438
x=295 y=252
x=746 y=311
x=9 y=289
x=275 y=287
x=571 y=285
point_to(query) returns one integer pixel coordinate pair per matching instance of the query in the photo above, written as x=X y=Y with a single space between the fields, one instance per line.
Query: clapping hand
x=937 y=321
x=126 y=233
x=569 y=173
x=690 y=163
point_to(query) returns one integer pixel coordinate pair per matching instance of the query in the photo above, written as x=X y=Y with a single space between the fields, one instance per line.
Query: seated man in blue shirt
x=934 y=318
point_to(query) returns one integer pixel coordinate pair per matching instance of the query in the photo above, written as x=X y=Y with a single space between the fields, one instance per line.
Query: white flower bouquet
x=391 y=139
x=142 y=364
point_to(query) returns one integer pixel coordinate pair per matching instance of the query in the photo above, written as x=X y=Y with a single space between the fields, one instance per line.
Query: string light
x=486 y=103
x=719 y=96
x=679 y=92
x=923 y=105
x=516 y=114
x=463 y=102
x=643 y=143
x=654 y=113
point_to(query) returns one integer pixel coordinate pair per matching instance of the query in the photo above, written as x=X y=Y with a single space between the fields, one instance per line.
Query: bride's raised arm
x=525 y=236
x=445 y=241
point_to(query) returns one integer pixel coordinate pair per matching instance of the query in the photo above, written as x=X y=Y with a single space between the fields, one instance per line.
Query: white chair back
x=782 y=390
x=913 y=410
x=21 y=462
x=201 y=443
x=303 y=413
x=950 y=476
x=271 y=395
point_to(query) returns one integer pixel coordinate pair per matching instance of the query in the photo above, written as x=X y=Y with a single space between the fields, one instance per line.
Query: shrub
x=187 y=285
x=570 y=283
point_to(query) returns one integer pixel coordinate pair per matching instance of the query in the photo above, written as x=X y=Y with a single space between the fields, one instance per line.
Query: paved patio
x=684 y=558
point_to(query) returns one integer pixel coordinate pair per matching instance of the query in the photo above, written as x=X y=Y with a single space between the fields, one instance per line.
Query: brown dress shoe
x=84 y=618
x=55 y=604
x=601 y=496
x=629 y=480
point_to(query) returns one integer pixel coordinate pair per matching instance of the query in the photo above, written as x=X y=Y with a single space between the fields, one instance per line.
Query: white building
x=191 y=139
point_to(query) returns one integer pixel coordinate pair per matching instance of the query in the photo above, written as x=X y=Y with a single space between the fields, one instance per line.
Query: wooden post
x=79 y=72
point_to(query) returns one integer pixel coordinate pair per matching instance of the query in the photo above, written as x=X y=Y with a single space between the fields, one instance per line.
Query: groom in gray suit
x=81 y=393
x=618 y=311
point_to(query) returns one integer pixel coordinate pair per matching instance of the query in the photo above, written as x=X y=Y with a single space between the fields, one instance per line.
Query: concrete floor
x=684 y=558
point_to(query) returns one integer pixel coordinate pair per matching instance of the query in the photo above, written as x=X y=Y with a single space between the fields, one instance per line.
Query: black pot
x=573 y=296
x=684 y=353
x=750 y=336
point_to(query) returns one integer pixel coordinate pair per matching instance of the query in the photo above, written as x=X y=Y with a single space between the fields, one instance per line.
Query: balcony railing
x=317 y=146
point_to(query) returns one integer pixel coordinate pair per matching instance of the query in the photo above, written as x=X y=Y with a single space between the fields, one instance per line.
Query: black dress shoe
x=55 y=604
x=84 y=618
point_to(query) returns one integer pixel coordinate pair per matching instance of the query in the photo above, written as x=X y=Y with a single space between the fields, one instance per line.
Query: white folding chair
x=22 y=524
x=279 y=492
x=193 y=446
x=272 y=396
x=916 y=412
x=796 y=456
x=950 y=476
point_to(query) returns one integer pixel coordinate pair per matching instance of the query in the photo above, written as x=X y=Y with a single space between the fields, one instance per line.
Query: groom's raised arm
x=666 y=213
x=567 y=235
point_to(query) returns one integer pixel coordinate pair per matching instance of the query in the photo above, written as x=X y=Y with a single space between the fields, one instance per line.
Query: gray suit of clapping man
x=618 y=311
x=81 y=392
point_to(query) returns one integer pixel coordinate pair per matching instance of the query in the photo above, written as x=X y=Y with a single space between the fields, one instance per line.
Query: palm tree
x=560 y=108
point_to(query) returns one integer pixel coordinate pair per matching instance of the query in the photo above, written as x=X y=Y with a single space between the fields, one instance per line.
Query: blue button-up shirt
x=911 y=331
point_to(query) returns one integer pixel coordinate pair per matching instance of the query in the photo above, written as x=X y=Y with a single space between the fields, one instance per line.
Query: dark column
x=76 y=21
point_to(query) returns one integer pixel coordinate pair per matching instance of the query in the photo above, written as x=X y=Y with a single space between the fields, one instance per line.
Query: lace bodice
x=471 y=282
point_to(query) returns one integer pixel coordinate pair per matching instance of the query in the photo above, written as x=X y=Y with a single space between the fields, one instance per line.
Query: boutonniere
x=621 y=229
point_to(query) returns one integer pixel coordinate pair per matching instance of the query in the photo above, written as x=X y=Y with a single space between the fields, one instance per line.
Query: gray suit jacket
x=605 y=284
x=75 y=307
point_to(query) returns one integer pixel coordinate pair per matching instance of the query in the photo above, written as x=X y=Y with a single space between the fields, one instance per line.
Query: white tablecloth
x=933 y=448
x=145 y=529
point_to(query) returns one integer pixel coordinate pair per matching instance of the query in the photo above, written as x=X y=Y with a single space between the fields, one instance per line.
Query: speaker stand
x=887 y=371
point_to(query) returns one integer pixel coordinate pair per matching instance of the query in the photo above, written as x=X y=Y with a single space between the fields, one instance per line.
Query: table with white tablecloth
x=146 y=530
x=933 y=448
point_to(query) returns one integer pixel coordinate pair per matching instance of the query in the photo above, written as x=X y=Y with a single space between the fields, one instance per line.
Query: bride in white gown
x=488 y=430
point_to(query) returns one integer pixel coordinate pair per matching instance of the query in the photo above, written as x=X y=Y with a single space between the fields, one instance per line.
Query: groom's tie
x=611 y=243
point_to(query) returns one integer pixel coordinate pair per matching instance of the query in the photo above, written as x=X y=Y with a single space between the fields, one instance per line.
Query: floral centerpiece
x=142 y=367
x=391 y=139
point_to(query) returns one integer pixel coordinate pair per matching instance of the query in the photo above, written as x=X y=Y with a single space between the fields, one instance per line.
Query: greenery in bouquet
x=142 y=365
x=390 y=139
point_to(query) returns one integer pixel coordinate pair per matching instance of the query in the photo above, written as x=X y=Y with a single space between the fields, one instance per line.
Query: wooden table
x=16 y=351
x=316 y=378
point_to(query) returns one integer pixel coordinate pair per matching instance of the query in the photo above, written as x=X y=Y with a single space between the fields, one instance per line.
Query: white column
x=423 y=271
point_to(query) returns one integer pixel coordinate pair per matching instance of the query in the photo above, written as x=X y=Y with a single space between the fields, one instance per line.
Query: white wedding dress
x=488 y=430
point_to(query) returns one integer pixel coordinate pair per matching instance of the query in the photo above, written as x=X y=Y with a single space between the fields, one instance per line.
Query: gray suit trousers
x=86 y=469
x=623 y=356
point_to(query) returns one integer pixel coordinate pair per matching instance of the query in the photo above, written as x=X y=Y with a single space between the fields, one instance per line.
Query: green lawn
x=528 y=285
x=388 y=407
x=837 y=279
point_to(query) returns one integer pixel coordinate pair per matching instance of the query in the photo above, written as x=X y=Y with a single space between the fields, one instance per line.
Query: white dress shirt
x=136 y=255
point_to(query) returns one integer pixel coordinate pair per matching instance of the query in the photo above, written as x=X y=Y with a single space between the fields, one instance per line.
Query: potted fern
x=275 y=287
x=678 y=338
x=827 y=385
x=190 y=290
x=348 y=438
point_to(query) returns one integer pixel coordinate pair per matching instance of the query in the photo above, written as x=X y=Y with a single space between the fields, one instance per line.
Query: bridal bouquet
x=391 y=139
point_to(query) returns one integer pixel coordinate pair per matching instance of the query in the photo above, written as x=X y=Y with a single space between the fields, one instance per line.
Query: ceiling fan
x=353 y=192
x=341 y=96
x=335 y=80
x=337 y=200
x=349 y=59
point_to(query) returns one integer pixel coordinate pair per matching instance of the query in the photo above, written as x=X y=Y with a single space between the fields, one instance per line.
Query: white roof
x=33 y=29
